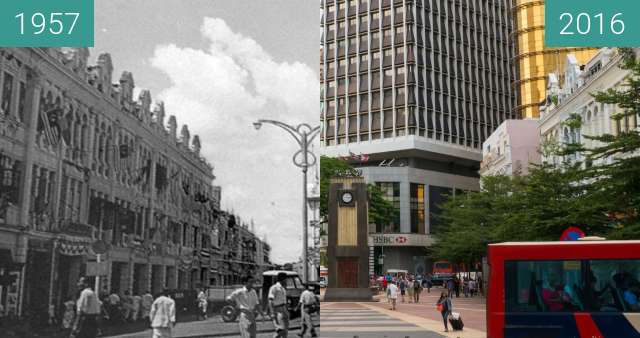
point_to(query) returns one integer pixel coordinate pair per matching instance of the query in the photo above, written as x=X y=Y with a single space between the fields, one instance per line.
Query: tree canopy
x=598 y=191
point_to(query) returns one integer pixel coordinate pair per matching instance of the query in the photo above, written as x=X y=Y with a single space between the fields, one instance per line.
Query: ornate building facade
x=86 y=166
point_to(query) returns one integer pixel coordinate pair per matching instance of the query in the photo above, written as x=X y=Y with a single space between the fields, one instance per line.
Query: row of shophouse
x=87 y=168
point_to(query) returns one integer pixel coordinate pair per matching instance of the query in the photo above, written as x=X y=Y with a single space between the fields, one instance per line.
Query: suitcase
x=456 y=321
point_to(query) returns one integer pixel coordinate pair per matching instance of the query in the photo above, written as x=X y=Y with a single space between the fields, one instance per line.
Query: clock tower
x=348 y=250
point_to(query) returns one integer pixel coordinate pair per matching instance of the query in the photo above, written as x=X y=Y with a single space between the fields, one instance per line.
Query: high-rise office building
x=410 y=90
x=534 y=62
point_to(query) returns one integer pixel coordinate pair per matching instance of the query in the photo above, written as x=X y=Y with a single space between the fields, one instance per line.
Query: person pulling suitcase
x=455 y=319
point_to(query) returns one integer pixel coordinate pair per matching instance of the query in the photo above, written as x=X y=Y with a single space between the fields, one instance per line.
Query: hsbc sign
x=400 y=240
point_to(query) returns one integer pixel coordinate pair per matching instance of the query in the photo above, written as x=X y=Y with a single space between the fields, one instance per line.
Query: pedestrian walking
x=465 y=287
x=278 y=306
x=202 y=304
x=444 y=307
x=392 y=295
x=163 y=315
x=457 y=283
x=307 y=307
x=472 y=287
x=246 y=301
x=450 y=287
x=429 y=282
x=417 y=289
x=147 y=300
x=87 y=311
x=136 y=301
x=410 y=290
x=115 y=314
x=403 y=287
x=127 y=305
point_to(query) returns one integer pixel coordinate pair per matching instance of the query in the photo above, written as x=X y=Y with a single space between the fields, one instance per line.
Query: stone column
x=32 y=109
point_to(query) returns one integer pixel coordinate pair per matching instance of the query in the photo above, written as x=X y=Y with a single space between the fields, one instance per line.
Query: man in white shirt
x=163 y=315
x=307 y=304
x=278 y=306
x=246 y=300
x=392 y=294
x=202 y=304
x=87 y=311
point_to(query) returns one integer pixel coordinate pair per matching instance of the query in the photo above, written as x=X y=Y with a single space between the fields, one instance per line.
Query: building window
x=417 y=208
x=437 y=196
x=376 y=57
x=391 y=193
x=22 y=94
x=7 y=93
x=364 y=20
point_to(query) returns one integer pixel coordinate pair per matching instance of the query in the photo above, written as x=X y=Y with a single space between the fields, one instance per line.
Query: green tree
x=616 y=178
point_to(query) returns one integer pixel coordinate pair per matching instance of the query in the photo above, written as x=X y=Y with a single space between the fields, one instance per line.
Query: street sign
x=97 y=269
x=99 y=247
x=572 y=234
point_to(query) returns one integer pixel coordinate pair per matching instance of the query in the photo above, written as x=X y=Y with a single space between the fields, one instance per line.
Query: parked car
x=293 y=284
x=323 y=282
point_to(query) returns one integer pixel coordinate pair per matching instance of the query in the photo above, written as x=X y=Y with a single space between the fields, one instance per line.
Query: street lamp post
x=303 y=158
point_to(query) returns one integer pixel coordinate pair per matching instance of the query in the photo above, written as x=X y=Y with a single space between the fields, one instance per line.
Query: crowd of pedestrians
x=407 y=288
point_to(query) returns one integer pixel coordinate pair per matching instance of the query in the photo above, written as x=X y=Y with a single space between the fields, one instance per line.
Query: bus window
x=542 y=286
x=614 y=285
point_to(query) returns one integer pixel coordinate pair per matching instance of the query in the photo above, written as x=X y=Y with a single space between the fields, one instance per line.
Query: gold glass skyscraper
x=534 y=62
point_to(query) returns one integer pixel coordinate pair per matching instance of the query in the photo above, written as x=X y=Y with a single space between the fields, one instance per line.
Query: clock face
x=347 y=197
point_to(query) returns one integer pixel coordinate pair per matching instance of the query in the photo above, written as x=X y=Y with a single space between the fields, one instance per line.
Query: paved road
x=215 y=327
x=356 y=320
x=473 y=310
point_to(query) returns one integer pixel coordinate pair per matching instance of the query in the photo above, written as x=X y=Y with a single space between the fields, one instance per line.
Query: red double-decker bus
x=582 y=289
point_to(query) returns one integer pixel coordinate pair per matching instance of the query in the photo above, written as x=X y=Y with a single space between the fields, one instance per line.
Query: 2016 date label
x=47 y=23
x=589 y=23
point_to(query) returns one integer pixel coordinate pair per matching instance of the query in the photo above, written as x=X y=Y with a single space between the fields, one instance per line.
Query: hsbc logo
x=401 y=240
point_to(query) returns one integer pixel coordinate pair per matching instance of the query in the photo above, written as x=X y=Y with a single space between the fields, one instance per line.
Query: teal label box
x=592 y=23
x=46 y=23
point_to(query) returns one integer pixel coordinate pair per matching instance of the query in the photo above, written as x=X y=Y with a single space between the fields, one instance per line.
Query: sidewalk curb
x=429 y=324
x=238 y=334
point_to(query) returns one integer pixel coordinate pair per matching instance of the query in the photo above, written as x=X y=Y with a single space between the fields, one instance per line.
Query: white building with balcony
x=511 y=149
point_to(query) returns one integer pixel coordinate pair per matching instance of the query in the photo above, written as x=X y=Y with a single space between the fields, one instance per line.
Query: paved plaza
x=375 y=319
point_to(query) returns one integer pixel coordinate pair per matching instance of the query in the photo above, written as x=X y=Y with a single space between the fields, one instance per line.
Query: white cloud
x=219 y=92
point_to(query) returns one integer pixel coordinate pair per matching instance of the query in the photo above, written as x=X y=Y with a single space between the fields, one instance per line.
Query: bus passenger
x=630 y=294
x=552 y=293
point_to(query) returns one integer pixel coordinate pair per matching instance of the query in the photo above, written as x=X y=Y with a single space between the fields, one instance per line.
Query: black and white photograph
x=164 y=182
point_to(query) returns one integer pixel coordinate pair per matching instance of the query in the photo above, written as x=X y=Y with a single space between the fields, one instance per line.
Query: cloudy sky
x=219 y=65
